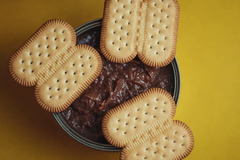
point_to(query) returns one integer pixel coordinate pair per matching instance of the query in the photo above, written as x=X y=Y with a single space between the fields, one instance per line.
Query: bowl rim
x=100 y=146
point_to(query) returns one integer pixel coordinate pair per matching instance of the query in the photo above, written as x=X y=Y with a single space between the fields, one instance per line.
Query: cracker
x=47 y=44
x=147 y=28
x=70 y=80
x=60 y=70
x=128 y=121
x=174 y=142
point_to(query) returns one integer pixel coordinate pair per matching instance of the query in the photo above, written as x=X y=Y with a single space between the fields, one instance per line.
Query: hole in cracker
x=116 y=10
x=82 y=65
x=119 y=120
x=176 y=132
x=145 y=113
x=134 y=127
x=73 y=64
x=30 y=53
x=128 y=115
x=123 y=6
x=166 y=138
x=114 y=32
x=158 y=42
x=121 y=28
x=150 y=47
x=64 y=40
x=50 y=96
x=125 y=133
x=165 y=147
x=58 y=97
x=115 y=21
x=163 y=111
x=128 y=23
x=138 y=109
x=183 y=136
x=168 y=5
x=74 y=73
x=46 y=38
x=145 y=157
x=136 y=118
x=67 y=90
x=54 y=30
x=155 y=107
x=22 y=61
x=112 y=43
x=66 y=81
x=127 y=33
x=174 y=141
x=126 y=44
x=154 y=15
x=122 y=17
x=116 y=129
x=147 y=104
x=152 y=36
x=55 y=39
x=144 y=121
x=165 y=38
x=156 y=53
x=126 y=124
x=154 y=116
x=75 y=81
x=137 y=154
x=32 y=71
x=49 y=88
x=65 y=72
x=48 y=55
x=155 y=152
x=167 y=16
x=161 y=10
x=23 y=70
x=163 y=155
x=154 y=4
x=120 y=38
x=63 y=31
x=146 y=149
x=160 y=21
x=164 y=49
x=57 y=80
x=129 y=12
x=39 y=46
x=90 y=66
x=56 y=47
x=89 y=57
x=166 y=27
x=153 y=26
x=173 y=150
x=165 y=103
x=83 y=73
x=47 y=47
x=80 y=56
x=39 y=54
x=58 y=89
x=119 y=49
x=156 y=143
x=182 y=145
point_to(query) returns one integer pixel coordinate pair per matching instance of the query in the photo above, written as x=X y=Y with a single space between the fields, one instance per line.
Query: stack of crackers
x=61 y=71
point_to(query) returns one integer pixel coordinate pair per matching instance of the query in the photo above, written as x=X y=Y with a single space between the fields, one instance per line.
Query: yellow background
x=208 y=52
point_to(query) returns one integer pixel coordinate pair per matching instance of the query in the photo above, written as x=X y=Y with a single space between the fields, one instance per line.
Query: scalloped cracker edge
x=133 y=27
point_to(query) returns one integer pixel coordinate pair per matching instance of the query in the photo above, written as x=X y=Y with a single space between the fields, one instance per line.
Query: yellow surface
x=208 y=53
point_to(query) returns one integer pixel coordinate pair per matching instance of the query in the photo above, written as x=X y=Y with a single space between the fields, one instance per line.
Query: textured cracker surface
x=175 y=142
x=152 y=33
x=73 y=77
x=124 y=123
x=46 y=44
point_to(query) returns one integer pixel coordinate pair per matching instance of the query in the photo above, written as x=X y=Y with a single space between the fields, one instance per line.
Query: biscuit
x=47 y=44
x=60 y=70
x=127 y=121
x=174 y=142
x=147 y=28
x=144 y=128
